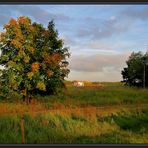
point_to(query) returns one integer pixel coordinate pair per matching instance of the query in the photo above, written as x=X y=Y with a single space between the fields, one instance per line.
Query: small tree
x=133 y=74
x=33 y=57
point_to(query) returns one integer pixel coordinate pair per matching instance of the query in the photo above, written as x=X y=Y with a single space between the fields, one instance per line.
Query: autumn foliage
x=34 y=59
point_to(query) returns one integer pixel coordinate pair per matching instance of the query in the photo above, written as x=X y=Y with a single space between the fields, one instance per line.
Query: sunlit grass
x=113 y=113
x=76 y=127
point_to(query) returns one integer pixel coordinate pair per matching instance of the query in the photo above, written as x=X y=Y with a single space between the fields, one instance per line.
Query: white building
x=78 y=83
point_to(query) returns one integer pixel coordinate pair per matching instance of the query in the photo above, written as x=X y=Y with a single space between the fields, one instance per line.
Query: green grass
x=61 y=128
x=134 y=123
x=10 y=131
x=107 y=95
x=82 y=125
x=111 y=138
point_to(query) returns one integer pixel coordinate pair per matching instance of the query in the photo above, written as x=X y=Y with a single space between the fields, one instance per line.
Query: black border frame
x=73 y=2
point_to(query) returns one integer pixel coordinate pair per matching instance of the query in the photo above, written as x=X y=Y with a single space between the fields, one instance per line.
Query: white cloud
x=97 y=62
x=111 y=76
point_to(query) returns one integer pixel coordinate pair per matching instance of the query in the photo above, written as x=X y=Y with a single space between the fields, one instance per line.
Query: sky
x=100 y=38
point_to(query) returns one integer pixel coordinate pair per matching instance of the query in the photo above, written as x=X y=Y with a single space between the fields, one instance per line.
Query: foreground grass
x=77 y=127
x=109 y=114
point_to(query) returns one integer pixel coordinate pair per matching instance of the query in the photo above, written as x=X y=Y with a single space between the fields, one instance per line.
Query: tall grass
x=10 y=132
x=76 y=118
x=76 y=127
x=60 y=128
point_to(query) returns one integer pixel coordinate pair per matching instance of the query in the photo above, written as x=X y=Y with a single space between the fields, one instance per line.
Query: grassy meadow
x=99 y=113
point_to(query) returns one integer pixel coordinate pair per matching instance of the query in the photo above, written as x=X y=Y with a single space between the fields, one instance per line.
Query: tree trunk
x=27 y=98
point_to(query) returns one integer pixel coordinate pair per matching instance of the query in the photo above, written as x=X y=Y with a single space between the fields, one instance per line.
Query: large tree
x=33 y=57
x=136 y=72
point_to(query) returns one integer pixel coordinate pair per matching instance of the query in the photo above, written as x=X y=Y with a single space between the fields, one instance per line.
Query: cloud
x=96 y=47
x=120 y=23
x=39 y=14
x=135 y=13
x=98 y=63
x=99 y=45
x=100 y=29
x=112 y=76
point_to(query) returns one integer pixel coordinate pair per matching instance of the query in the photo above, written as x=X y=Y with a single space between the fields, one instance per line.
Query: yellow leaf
x=41 y=86
x=30 y=75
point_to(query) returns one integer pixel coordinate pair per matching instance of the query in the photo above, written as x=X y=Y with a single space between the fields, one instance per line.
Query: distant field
x=97 y=113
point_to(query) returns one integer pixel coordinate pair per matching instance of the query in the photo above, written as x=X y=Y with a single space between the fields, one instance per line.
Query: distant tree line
x=136 y=72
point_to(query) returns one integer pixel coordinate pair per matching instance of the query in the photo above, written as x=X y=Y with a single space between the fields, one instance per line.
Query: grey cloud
x=101 y=29
x=97 y=63
x=112 y=76
x=41 y=14
x=35 y=12
x=136 y=14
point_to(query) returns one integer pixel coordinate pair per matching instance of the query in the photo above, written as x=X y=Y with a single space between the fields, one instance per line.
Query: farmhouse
x=78 y=83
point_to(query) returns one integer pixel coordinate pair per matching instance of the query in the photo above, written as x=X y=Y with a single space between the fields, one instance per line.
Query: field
x=107 y=113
